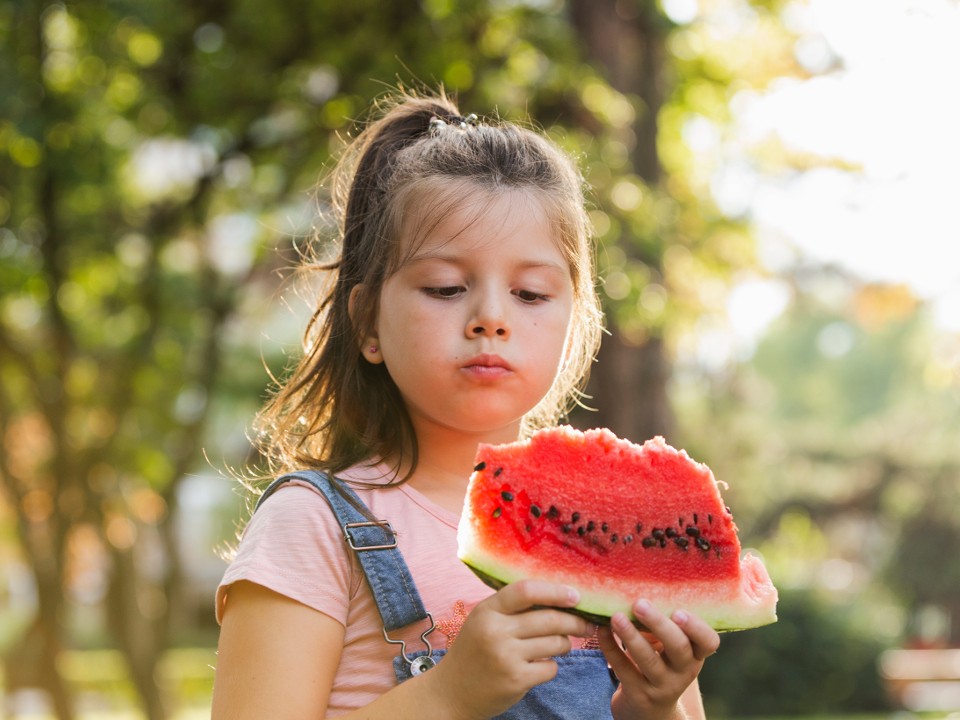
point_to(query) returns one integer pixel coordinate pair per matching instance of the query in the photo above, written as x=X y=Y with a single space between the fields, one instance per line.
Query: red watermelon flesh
x=616 y=520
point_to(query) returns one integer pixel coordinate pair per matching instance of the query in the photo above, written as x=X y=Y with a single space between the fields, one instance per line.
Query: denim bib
x=584 y=683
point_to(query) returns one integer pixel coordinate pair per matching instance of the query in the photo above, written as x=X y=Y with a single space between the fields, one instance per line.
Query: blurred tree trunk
x=625 y=39
x=60 y=476
x=32 y=660
x=36 y=475
x=140 y=631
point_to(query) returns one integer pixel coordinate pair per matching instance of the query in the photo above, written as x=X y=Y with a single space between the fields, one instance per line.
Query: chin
x=492 y=424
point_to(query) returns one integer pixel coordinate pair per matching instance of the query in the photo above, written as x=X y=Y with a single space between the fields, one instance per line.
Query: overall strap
x=375 y=545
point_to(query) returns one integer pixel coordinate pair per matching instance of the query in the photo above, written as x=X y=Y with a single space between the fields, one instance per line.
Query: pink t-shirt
x=293 y=545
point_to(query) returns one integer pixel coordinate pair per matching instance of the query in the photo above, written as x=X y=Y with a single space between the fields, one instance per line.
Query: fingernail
x=680 y=617
x=642 y=607
x=573 y=596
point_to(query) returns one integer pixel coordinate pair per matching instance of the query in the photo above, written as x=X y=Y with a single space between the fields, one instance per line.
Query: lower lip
x=487 y=372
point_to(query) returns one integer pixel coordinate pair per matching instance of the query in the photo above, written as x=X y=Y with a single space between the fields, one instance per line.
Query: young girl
x=461 y=310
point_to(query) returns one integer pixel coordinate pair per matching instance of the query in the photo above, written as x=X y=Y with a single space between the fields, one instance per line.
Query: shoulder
x=294 y=546
x=294 y=512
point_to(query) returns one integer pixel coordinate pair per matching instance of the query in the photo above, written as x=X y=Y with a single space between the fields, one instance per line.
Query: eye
x=530 y=297
x=445 y=293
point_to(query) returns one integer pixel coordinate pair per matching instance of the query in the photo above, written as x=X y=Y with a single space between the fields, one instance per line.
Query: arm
x=273 y=647
x=692 y=703
x=278 y=658
x=658 y=674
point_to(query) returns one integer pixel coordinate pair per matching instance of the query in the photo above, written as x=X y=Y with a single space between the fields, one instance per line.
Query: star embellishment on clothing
x=592 y=642
x=451 y=626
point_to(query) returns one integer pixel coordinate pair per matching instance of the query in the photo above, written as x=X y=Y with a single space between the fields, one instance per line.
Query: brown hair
x=336 y=410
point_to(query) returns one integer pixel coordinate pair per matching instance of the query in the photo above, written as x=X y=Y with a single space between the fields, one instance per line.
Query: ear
x=370 y=343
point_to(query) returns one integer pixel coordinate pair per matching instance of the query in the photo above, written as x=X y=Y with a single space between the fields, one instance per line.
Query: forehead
x=466 y=215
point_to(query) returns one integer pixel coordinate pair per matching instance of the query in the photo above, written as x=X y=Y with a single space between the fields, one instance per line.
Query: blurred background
x=774 y=187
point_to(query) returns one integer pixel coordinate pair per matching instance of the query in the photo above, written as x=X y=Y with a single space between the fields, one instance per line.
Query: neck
x=446 y=461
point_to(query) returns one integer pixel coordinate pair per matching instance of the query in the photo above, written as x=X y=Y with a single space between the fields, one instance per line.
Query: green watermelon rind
x=599 y=608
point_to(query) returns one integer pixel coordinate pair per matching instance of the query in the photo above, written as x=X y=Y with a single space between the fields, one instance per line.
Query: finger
x=540 y=648
x=540 y=671
x=652 y=639
x=545 y=621
x=617 y=659
x=525 y=594
x=677 y=649
x=641 y=653
x=704 y=640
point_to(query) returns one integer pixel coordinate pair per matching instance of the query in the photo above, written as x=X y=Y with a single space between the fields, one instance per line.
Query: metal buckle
x=422 y=663
x=383 y=524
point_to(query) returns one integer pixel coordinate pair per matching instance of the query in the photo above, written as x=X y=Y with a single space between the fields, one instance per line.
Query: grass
x=102 y=690
x=202 y=712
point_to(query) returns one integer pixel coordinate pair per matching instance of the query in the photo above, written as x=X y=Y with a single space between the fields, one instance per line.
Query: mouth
x=487 y=366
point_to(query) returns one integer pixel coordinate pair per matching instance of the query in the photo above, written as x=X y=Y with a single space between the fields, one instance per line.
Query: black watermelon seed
x=575 y=517
x=566 y=528
x=535 y=510
x=496 y=513
x=639 y=527
x=681 y=542
x=627 y=539
x=553 y=512
x=695 y=521
x=479 y=466
x=710 y=519
x=662 y=542
x=671 y=532
x=703 y=543
x=604 y=527
x=613 y=538
x=693 y=531
x=507 y=495
x=680 y=521
x=648 y=542
x=497 y=472
x=581 y=531
x=591 y=526
x=657 y=534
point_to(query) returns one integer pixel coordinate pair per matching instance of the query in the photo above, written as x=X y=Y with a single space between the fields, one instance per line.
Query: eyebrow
x=529 y=264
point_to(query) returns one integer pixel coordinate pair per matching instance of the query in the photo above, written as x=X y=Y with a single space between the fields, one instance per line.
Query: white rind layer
x=749 y=601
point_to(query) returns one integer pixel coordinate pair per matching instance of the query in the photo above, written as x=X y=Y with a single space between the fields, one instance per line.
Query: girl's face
x=473 y=326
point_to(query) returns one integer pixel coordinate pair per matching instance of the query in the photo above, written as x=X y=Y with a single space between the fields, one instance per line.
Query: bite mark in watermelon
x=616 y=520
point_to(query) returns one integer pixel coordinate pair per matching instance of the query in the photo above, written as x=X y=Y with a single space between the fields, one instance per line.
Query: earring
x=371 y=352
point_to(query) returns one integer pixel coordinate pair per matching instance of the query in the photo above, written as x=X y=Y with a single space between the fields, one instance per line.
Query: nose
x=488 y=319
x=490 y=330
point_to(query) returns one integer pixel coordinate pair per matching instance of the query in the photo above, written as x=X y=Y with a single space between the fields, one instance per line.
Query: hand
x=505 y=648
x=655 y=670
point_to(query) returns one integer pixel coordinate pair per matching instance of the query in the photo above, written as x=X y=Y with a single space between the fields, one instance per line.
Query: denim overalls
x=584 y=684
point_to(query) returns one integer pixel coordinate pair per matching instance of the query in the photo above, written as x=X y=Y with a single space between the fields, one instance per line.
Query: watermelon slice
x=616 y=520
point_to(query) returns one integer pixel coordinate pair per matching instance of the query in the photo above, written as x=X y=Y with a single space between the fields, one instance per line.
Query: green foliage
x=158 y=162
x=923 y=567
x=839 y=447
x=812 y=661
x=844 y=370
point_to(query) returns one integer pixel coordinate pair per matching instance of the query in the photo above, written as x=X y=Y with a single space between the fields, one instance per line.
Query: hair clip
x=471 y=120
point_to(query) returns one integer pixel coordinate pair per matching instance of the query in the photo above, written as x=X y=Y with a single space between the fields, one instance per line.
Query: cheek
x=561 y=324
x=404 y=325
